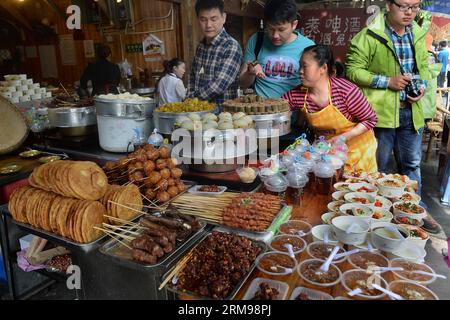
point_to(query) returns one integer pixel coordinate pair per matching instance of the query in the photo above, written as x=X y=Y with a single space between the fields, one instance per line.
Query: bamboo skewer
x=178 y=267
x=115 y=228
x=65 y=90
x=115 y=233
x=121 y=205
x=120 y=220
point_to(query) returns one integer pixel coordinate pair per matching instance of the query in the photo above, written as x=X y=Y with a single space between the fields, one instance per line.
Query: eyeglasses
x=405 y=8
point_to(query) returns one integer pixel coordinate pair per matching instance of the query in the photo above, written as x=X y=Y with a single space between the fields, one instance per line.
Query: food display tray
x=65 y=242
x=265 y=236
x=172 y=287
x=123 y=255
x=195 y=190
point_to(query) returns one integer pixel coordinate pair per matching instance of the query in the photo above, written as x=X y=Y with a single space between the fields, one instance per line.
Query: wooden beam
x=12 y=10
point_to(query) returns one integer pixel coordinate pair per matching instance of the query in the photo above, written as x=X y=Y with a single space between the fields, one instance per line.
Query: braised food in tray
x=266 y=292
x=217 y=265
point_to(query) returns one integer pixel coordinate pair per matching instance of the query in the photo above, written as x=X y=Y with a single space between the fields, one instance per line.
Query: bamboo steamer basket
x=13 y=127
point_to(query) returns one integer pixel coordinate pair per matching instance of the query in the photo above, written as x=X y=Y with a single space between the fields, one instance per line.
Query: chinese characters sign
x=334 y=27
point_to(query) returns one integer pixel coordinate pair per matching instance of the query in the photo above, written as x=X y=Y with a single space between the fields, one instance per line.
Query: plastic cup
x=321 y=250
x=407 y=275
x=365 y=260
x=298 y=228
x=354 y=279
x=277 y=265
x=411 y=290
x=311 y=276
x=279 y=243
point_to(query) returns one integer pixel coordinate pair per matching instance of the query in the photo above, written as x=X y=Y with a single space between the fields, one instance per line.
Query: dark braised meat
x=266 y=292
x=212 y=188
x=218 y=264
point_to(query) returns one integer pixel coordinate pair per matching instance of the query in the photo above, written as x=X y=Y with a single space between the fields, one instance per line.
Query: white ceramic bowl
x=355 y=175
x=386 y=240
x=342 y=186
x=359 y=197
x=380 y=215
x=409 y=251
x=334 y=205
x=326 y=217
x=357 y=236
x=364 y=187
x=357 y=210
x=399 y=209
x=390 y=187
x=319 y=231
x=400 y=219
x=338 y=195
x=409 y=197
x=417 y=235
x=382 y=203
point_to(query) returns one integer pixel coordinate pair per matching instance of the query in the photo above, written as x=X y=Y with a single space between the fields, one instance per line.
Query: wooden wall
x=180 y=38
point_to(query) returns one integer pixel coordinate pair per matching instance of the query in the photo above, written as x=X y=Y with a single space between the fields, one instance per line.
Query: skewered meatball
x=171 y=181
x=172 y=163
x=161 y=164
x=154 y=177
x=162 y=196
x=150 y=194
x=165 y=173
x=149 y=147
x=122 y=163
x=139 y=165
x=176 y=173
x=136 y=176
x=164 y=153
x=152 y=155
x=173 y=191
x=162 y=184
x=149 y=167
x=181 y=187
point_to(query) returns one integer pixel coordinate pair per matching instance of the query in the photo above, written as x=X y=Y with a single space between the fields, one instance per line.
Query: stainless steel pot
x=272 y=125
x=165 y=121
x=140 y=91
x=131 y=109
x=72 y=117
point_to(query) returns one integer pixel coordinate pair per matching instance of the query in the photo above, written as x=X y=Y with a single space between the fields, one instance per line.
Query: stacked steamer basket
x=223 y=139
x=62 y=199
x=17 y=88
x=272 y=117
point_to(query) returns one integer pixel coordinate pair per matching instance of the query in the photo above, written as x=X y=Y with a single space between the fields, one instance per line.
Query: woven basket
x=13 y=127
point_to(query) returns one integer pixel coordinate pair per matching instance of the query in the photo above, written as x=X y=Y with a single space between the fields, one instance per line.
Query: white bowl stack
x=17 y=88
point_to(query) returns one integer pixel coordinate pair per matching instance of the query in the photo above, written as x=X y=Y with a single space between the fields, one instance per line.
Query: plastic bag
x=155 y=139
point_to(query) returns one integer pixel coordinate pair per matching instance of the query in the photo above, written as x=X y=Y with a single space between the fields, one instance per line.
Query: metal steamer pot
x=73 y=121
x=219 y=151
x=165 y=121
x=272 y=125
x=120 y=120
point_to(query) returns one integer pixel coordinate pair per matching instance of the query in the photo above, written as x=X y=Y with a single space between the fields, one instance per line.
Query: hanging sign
x=152 y=45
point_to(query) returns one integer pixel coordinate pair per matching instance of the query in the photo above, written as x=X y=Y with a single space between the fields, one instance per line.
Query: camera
x=412 y=89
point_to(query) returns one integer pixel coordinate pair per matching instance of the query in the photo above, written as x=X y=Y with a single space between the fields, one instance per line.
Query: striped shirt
x=345 y=96
x=215 y=70
x=403 y=47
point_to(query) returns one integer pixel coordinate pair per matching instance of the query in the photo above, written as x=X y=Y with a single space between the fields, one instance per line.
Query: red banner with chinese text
x=333 y=27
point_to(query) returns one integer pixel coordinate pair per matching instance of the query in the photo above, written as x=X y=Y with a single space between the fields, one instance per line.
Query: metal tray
x=171 y=287
x=122 y=254
x=282 y=216
x=65 y=242
x=195 y=190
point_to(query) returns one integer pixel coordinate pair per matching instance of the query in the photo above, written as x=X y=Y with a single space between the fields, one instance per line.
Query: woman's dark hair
x=339 y=69
x=103 y=51
x=209 y=5
x=170 y=64
x=323 y=55
x=280 y=11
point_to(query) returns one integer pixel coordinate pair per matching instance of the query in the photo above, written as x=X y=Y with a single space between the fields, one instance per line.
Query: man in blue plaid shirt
x=215 y=71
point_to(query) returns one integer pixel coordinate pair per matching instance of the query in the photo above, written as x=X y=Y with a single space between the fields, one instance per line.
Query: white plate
x=195 y=190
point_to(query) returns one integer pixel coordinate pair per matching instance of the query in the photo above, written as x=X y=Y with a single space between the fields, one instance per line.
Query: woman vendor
x=334 y=107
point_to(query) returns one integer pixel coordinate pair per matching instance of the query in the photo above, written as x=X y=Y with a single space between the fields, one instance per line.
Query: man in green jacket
x=382 y=59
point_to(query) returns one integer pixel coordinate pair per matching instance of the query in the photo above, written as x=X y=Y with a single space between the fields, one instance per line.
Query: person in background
x=171 y=87
x=442 y=58
x=335 y=107
x=214 y=74
x=104 y=75
x=381 y=60
x=272 y=65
